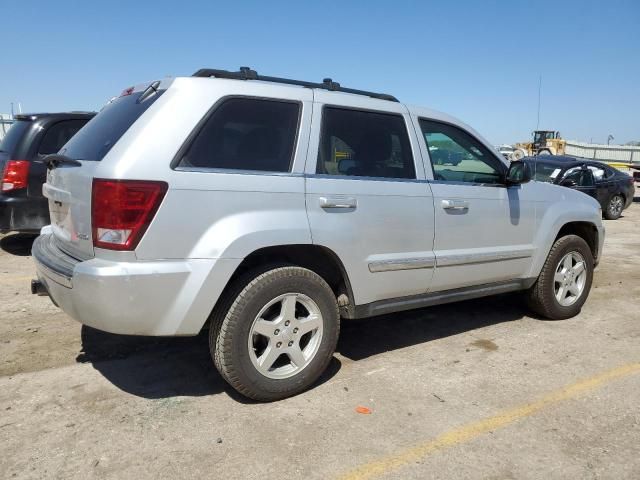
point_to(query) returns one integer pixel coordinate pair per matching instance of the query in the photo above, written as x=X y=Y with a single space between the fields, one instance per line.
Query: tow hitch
x=38 y=288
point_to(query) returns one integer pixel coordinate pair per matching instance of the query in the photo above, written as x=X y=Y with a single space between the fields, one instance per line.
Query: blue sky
x=479 y=61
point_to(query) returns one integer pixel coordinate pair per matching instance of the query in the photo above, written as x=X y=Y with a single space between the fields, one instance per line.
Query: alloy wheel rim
x=616 y=205
x=570 y=279
x=285 y=335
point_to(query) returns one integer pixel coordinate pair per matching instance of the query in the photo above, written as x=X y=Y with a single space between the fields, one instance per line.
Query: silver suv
x=269 y=209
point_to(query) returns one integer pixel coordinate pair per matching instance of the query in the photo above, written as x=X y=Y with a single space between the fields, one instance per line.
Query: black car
x=613 y=189
x=23 y=208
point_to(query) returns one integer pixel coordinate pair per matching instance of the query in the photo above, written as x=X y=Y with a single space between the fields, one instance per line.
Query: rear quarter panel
x=211 y=213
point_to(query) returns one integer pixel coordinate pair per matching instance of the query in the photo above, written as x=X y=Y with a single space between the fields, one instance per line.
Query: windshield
x=545 y=172
x=542 y=136
x=97 y=137
x=13 y=136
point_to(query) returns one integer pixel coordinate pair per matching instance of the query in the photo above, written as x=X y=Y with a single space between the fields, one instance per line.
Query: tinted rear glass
x=246 y=134
x=59 y=134
x=13 y=136
x=105 y=129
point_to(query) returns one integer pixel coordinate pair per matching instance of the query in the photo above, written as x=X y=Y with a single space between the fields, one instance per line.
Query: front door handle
x=455 y=204
x=338 y=202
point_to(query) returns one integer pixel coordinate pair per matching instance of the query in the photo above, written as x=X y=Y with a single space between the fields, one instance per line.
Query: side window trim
x=184 y=148
x=496 y=162
x=415 y=155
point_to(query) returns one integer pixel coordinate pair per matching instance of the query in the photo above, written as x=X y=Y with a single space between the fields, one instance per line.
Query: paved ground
x=471 y=390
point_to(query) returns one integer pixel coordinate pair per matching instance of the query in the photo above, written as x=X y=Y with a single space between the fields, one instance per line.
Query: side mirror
x=519 y=172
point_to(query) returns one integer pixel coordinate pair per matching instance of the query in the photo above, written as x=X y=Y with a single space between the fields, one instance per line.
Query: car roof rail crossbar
x=245 y=73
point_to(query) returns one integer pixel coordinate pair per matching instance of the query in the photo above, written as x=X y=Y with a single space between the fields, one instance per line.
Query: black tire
x=233 y=318
x=541 y=296
x=615 y=205
x=544 y=151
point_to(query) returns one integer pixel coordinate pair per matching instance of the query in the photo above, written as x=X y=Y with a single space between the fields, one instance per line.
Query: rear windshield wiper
x=54 y=160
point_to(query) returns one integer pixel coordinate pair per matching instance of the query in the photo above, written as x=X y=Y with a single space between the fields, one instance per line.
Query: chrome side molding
x=401 y=264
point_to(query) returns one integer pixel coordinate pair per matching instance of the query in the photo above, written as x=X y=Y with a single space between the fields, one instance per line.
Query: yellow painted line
x=470 y=431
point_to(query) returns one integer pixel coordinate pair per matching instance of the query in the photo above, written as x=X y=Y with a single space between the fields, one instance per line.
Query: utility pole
x=539 y=95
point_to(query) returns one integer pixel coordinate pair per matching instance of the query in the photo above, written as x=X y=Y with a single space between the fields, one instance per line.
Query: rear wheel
x=614 y=207
x=545 y=151
x=277 y=335
x=565 y=280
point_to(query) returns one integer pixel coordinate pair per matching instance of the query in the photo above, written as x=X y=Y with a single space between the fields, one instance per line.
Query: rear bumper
x=23 y=213
x=134 y=298
x=631 y=193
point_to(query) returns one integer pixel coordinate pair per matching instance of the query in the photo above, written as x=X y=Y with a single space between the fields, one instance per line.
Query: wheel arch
x=586 y=230
x=319 y=259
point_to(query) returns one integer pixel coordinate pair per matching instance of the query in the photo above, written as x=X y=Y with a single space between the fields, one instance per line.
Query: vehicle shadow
x=18 y=243
x=364 y=338
x=161 y=367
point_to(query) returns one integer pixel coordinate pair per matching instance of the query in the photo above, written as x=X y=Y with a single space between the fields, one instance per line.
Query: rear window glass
x=95 y=140
x=246 y=134
x=59 y=134
x=13 y=136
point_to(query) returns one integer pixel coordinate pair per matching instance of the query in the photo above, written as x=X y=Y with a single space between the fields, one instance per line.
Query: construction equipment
x=545 y=142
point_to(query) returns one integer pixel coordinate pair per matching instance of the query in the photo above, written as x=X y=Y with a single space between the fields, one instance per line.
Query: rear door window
x=364 y=144
x=58 y=134
x=583 y=177
x=599 y=173
x=246 y=134
x=98 y=136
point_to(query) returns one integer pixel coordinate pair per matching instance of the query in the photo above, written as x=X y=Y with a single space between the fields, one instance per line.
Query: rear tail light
x=15 y=175
x=121 y=211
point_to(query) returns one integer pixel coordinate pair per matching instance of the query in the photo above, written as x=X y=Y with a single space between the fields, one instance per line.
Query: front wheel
x=565 y=280
x=518 y=154
x=614 y=207
x=276 y=334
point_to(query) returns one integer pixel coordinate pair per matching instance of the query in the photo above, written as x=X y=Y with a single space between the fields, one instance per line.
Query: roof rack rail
x=245 y=73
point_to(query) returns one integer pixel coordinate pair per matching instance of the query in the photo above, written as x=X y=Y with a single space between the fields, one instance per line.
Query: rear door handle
x=455 y=204
x=338 y=202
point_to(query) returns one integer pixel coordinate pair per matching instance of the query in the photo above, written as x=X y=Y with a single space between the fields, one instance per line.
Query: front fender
x=561 y=207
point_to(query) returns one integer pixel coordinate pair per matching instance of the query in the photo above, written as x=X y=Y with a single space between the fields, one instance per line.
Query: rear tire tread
x=227 y=316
